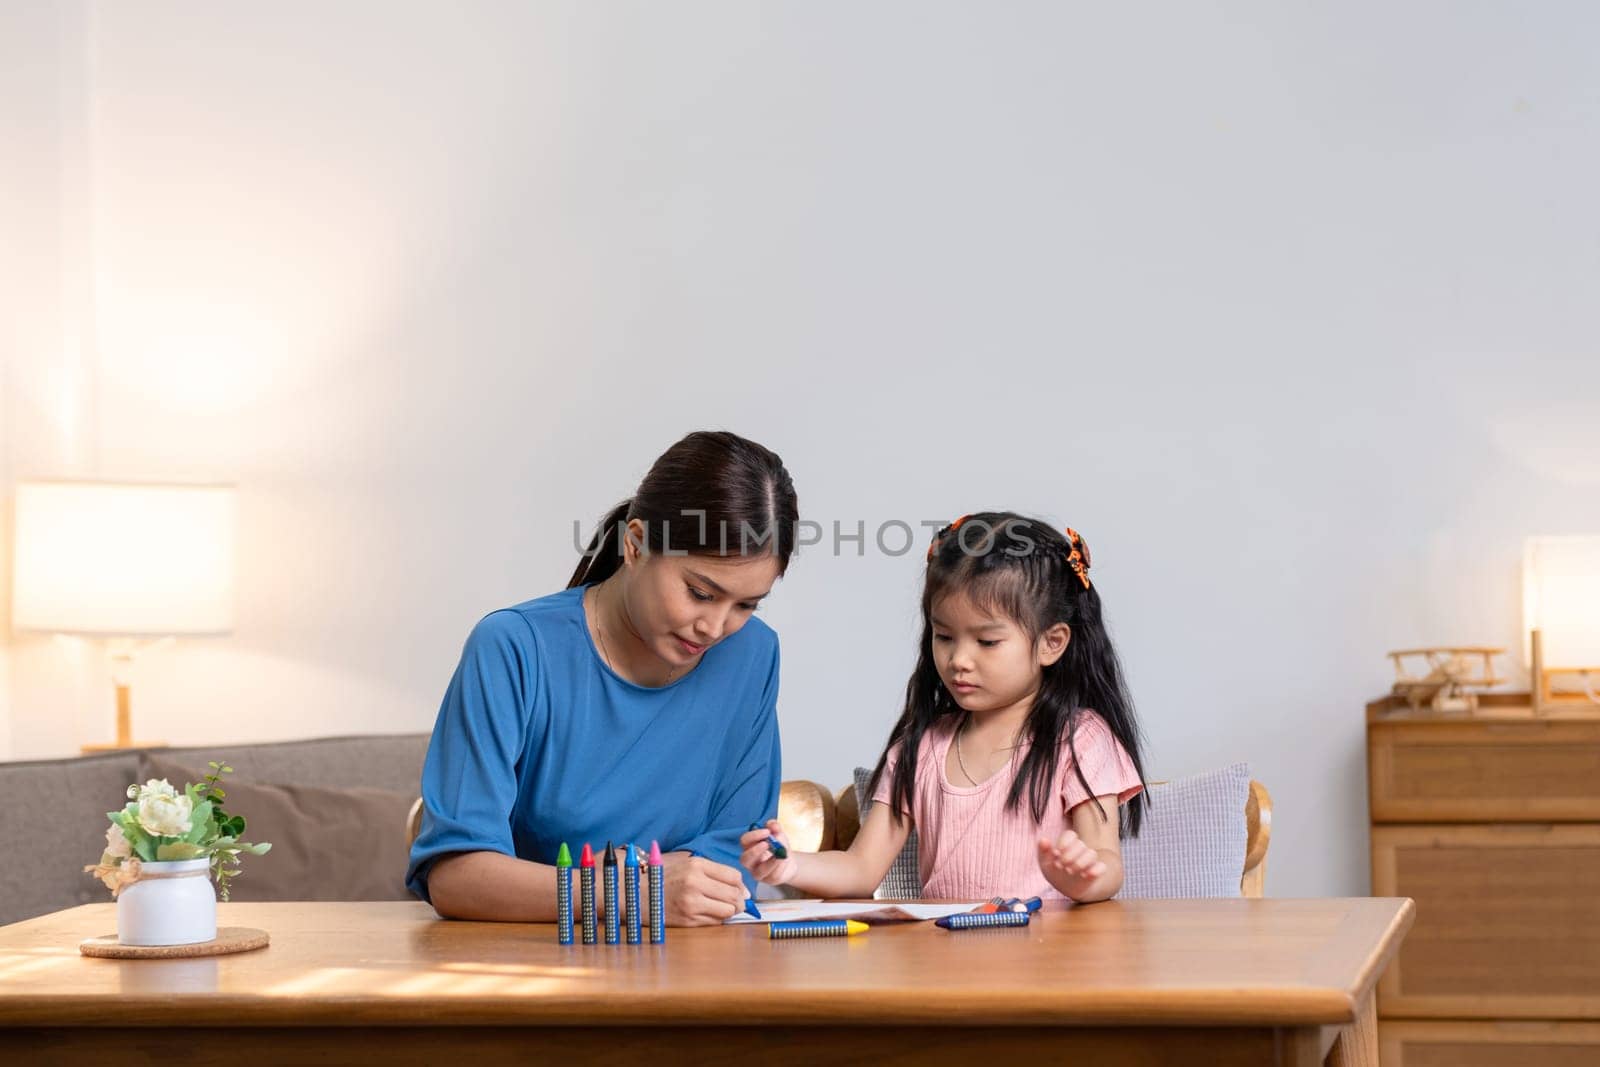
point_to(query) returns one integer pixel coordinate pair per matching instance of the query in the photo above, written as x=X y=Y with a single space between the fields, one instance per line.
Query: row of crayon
x=1011 y=911
x=586 y=920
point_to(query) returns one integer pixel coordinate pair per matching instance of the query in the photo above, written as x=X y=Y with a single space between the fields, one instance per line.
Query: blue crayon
x=564 y=895
x=773 y=844
x=612 y=898
x=972 y=920
x=631 y=863
x=750 y=908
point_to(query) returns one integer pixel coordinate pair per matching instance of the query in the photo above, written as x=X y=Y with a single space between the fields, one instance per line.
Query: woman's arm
x=499 y=888
x=463 y=861
x=856 y=872
x=470 y=774
x=493 y=886
x=1085 y=862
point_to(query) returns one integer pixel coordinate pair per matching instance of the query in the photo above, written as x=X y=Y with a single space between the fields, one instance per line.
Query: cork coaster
x=229 y=939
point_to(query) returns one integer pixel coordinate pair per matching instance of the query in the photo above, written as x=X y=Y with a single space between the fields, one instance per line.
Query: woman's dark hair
x=712 y=493
x=1032 y=573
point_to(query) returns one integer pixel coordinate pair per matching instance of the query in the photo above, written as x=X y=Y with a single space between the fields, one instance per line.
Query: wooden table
x=1213 y=981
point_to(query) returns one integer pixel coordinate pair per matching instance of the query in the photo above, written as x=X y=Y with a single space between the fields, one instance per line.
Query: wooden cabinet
x=1457 y=1044
x=1491 y=823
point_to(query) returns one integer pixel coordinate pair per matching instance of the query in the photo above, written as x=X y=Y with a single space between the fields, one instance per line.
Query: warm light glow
x=118 y=559
x=1561 y=598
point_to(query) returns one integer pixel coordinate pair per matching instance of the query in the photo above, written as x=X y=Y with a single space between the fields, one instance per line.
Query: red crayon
x=591 y=931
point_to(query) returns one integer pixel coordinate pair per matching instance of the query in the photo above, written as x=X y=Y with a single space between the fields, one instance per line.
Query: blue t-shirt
x=538 y=742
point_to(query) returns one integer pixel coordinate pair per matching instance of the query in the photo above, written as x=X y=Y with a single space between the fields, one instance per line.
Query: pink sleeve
x=880 y=795
x=1105 y=763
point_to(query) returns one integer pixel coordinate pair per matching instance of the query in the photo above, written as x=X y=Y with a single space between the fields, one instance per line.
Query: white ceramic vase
x=177 y=907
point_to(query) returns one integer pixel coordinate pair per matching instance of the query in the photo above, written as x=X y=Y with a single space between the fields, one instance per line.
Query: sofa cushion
x=1192 y=842
x=328 y=842
x=52 y=823
x=383 y=761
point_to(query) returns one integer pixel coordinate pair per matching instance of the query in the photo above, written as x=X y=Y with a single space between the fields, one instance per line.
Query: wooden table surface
x=1284 y=965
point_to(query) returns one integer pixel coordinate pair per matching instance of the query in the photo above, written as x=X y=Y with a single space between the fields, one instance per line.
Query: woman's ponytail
x=603 y=557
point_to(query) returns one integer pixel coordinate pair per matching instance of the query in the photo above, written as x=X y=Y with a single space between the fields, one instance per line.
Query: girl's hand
x=1070 y=865
x=758 y=858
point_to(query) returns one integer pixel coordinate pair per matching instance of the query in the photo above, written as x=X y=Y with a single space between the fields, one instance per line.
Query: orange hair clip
x=1078 y=558
x=933 y=545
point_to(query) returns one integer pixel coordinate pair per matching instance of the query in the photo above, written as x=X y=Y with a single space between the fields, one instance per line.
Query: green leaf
x=142 y=845
x=260 y=849
x=200 y=818
x=179 y=850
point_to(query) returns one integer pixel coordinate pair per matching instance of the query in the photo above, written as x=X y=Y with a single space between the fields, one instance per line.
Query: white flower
x=117 y=843
x=157 y=787
x=162 y=812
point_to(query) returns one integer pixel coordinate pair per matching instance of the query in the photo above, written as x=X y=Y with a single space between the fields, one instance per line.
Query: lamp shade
x=123 y=559
x=1561 y=598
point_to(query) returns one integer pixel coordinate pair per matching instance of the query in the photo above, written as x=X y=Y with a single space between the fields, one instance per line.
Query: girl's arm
x=856 y=872
x=1085 y=863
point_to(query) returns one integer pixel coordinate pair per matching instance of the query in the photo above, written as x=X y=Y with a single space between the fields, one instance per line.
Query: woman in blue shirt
x=639 y=704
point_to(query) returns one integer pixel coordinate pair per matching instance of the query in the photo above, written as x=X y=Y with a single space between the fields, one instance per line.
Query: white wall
x=46 y=371
x=1292 y=313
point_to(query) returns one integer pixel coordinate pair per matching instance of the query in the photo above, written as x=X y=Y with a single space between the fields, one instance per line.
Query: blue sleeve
x=749 y=787
x=469 y=778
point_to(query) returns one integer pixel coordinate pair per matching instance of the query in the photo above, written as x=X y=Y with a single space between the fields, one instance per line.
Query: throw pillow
x=328 y=843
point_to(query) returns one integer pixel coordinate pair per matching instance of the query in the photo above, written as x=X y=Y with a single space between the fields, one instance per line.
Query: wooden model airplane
x=1451 y=671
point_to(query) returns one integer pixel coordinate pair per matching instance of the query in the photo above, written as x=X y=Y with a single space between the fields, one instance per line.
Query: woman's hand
x=758 y=858
x=700 y=892
x=1070 y=865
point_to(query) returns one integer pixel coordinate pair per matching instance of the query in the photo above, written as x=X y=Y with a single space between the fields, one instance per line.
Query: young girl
x=1017 y=749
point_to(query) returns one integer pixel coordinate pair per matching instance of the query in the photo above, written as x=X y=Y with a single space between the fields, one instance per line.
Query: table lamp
x=131 y=562
x=1561 y=614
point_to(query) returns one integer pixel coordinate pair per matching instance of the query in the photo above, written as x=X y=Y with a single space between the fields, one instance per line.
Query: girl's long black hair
x=712 y=492
x=1030 y=572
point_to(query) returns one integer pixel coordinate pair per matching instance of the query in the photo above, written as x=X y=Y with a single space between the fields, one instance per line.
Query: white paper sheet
x=865 y=911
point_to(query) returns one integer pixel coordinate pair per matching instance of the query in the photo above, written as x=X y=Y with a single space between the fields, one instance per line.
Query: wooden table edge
x=1308 y=1006
x=1378 y=962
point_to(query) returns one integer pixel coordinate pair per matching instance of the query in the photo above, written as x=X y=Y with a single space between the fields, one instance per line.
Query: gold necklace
x=605 y=652
x=600 y=632
x=963 y=763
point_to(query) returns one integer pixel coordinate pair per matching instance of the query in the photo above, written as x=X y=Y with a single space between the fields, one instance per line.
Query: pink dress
x=970 y=846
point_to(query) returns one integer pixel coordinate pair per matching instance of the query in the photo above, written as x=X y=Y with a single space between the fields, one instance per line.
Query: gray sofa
x=334 y=809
